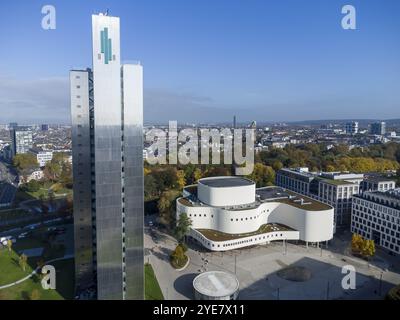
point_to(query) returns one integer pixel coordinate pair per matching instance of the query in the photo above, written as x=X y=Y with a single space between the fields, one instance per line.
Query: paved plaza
x=257 y=267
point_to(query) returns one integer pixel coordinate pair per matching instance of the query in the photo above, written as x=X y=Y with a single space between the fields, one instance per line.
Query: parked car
x=24 y=234
x=4 y=240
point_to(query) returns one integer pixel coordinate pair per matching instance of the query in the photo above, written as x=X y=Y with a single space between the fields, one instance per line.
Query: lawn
x=152 y=288
x=11 y=271
x=64 y=285
x=43 y=192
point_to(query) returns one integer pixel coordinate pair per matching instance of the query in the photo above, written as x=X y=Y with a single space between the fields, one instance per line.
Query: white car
x=22 y=235
x=2 y=239
x=5 y=241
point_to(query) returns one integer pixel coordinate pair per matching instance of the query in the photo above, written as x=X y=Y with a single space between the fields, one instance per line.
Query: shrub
x=178 y=257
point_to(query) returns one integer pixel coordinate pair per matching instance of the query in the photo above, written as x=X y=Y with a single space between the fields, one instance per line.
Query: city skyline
x=267 y=61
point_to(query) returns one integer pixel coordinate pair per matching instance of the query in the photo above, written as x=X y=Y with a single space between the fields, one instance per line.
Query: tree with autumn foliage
x=363 y=247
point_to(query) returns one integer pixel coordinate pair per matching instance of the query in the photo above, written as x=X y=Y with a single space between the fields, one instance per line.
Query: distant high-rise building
x=12 y=125
x=378 y=128
x=234 y=122
x=44 y=127
x=107 y=145
x=352 y=127
x=21 y=141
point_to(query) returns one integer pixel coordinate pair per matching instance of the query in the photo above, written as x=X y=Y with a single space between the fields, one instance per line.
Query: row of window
x=369 y=214
x=365 y=204
x=268 y=237
x=232 y=219
x=377 y=226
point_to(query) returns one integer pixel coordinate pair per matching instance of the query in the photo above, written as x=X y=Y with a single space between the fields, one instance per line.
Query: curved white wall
x=226 y=196
x=244 y=241
x=313 y=226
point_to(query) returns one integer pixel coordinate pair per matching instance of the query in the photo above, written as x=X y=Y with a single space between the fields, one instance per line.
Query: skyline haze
x=207 y=61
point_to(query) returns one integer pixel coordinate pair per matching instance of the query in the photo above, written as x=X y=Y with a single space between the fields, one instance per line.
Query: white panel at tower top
x=106 y=70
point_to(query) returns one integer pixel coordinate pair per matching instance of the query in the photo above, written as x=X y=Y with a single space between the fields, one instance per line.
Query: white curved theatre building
x=229 y=213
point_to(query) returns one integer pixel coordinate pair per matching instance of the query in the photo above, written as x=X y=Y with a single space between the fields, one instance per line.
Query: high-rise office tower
x=21 y=140
x=107 y=121
x=378 y=128
x=352 y=127
x=12 y=126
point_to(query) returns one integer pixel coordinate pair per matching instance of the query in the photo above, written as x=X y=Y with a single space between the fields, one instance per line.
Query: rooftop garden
x=337 y=182
x=308 y=204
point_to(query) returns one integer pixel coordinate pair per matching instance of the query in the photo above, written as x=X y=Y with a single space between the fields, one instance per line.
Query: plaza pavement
x=256 y=269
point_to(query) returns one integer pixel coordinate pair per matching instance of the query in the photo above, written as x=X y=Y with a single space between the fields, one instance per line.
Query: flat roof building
x=21 y=140
x=375 y=182
x=333 y=188
x=376 y=215
x=42 y=156
x=378 y=128
x=230 y=213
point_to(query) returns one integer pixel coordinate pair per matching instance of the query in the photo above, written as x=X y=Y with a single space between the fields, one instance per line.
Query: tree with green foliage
x=58 y=169
x=150 y=187
x=262 y=175
x=277 y=165
x=25 y=162
x=182 y=227
x=66 y=174
x=32 y=186
x=166 y=206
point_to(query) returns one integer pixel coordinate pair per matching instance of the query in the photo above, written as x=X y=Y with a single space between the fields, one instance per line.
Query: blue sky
x=206 y=60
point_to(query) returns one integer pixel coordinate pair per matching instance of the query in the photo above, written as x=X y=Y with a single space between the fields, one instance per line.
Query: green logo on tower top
x=106 y=48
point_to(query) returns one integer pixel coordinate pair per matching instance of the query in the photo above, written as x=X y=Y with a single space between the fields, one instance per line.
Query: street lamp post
x=327 y=291
x=321 y=250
